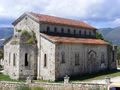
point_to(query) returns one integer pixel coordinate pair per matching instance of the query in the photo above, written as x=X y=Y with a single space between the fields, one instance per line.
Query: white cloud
x=72 y=8
x=88 y=10
x=13 y=8
x=78 y=8
x=116 y=22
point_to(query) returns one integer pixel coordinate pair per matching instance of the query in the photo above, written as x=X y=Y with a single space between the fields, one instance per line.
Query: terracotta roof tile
x=62 y=21
x=72 y=40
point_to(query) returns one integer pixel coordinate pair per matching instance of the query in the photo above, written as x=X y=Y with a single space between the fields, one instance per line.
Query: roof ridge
x=61 y=20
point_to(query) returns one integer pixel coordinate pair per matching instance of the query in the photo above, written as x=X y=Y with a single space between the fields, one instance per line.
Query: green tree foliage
x=99 y=36
x=28 y=37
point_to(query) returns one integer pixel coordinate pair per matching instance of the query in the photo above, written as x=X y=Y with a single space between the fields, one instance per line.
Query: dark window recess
x=45 y=60
x=14 y=57
x=62 y=30
x=25 y=18
x=74 y=32
x=76 y=58
x=80 y=32
x=85 y=33
x=55 y=29
x=90 y=33
x=63 y=57
x=68 y=30
x=48 y=29
x=26 y=59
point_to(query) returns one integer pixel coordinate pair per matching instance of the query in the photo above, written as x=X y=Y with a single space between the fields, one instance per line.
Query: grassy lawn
x=96 y=76
x=4 y=77
x=7 y=78
x=88 y=77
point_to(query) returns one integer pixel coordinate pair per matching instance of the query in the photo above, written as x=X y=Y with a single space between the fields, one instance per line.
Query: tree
x=99 y=36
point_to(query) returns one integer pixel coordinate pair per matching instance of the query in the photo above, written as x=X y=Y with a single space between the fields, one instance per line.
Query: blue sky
x=99 y=13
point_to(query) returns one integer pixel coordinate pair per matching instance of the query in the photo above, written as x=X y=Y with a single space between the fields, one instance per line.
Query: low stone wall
x=54 y=86
x=4 y=85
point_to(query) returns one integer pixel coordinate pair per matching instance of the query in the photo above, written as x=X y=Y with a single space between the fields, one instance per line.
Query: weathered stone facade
x=49 y=60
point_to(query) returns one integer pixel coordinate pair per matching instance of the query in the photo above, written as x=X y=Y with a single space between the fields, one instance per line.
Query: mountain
x=111 y=34
x=5 y=32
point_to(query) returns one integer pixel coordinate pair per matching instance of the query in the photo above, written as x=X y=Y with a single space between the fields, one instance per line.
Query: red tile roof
x=72 y=40
x=61 y=21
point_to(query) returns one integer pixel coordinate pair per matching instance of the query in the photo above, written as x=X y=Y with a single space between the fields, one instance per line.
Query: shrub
x=28 y=37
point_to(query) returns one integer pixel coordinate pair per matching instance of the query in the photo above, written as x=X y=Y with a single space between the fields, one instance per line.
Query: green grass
x=4 y=77
x=96 y=76
x=7 y=78
x=88 y=77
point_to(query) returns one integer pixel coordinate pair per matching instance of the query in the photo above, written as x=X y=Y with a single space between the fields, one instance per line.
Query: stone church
x=49 y=48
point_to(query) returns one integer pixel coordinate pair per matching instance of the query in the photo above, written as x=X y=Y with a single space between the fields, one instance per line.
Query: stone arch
x=92 y=55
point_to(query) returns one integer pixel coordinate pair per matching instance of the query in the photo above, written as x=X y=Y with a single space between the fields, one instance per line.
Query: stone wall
x=14 y=60
x=47 y=72
x=54 y=86
x=92 y=58
x=11 y=53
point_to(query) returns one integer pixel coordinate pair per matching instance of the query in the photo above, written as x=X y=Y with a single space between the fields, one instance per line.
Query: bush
x=28 y=37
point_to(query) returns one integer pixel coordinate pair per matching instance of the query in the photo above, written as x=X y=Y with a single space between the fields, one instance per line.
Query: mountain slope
x=5 y=32
x=111 y=34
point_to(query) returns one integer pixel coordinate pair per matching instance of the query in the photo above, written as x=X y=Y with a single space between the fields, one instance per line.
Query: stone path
x=114 y=79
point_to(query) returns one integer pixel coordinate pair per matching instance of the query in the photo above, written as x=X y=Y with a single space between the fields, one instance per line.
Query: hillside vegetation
x=1 y=53
x=111 y=34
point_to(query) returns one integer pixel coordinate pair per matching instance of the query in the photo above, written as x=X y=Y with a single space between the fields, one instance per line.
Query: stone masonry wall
x=48 y=49
x=92 y=58
x=54 y=86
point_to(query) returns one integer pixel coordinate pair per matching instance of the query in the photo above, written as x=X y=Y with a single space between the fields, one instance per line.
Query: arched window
x=62 y=30
x=48 y=29
x=26 y=59
x=14 y=61
x=76 y=59
x=55 y=29
x=45 y=60
x=63 y=57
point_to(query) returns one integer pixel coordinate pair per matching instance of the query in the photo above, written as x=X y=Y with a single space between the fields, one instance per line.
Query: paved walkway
x=114 y=79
